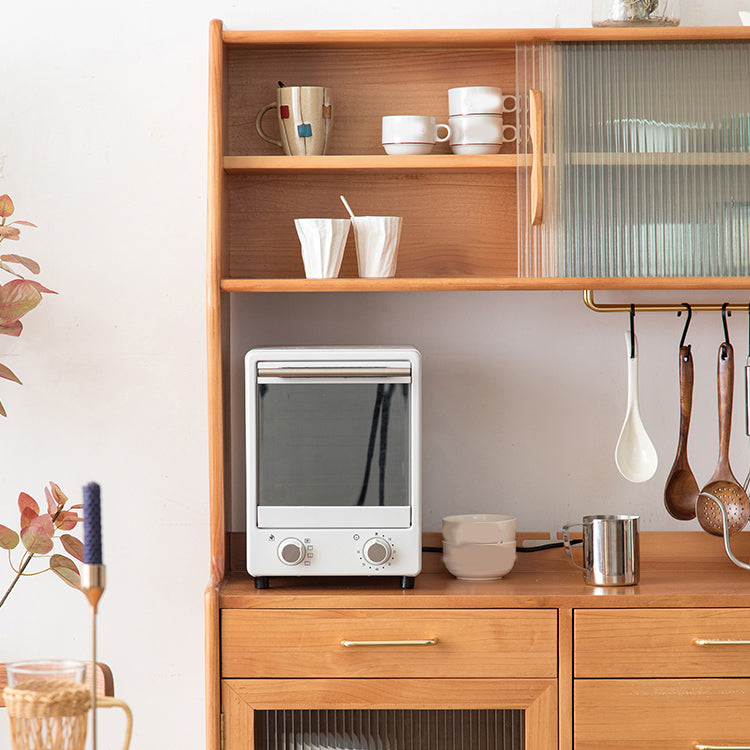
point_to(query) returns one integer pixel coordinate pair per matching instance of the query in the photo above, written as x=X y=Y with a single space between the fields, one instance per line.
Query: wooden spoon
x=722 y=483
x=681 y=489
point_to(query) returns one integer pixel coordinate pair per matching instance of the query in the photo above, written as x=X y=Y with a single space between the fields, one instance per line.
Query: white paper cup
x=322 y=242
x=377 y=239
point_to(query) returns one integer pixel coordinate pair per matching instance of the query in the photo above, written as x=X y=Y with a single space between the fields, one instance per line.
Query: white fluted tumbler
x=377 y=238
x=323 y=242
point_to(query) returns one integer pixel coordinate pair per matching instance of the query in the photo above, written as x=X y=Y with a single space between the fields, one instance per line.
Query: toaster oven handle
x=425 y=642
x=269 y=371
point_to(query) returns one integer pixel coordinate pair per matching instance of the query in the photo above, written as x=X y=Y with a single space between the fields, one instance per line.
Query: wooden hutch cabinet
x=537 y=660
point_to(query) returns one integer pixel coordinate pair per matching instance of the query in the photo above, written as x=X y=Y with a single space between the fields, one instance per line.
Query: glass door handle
x=536 y=125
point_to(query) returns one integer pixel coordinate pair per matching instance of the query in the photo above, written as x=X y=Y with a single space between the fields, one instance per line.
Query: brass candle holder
x=93 y=579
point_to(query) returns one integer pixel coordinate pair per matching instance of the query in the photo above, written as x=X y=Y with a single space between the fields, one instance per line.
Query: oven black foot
x=261 y=582
x=407 y=582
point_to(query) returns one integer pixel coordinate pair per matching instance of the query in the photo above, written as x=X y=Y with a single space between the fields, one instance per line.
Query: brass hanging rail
x=588 y=300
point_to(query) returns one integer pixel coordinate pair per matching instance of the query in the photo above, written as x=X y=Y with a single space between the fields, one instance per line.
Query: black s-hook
x=724 y=313
x=632 y=331
x=685 y=329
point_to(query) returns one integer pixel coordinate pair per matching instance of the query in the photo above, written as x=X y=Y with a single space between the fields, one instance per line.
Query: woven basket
x=48 y=715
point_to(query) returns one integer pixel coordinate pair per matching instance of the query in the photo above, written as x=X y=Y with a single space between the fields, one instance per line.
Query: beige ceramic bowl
x=479 y=528
x=479 y=562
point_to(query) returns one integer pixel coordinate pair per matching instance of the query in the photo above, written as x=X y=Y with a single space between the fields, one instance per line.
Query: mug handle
x=438 y=139
x=103 y=701
x=514 y=103
x=259 y=125
x=513 y=129
x=566 y=543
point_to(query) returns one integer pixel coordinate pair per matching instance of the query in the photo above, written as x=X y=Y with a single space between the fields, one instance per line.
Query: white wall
x=103 y=145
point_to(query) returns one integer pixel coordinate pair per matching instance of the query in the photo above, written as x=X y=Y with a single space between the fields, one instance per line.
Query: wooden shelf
x=373 y=163
x=490 y=283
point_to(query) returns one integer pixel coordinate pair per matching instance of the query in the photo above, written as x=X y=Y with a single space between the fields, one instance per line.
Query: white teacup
x=479 y=134
x=480 y=100
x=412 y=134
x=323 y=242
x=377 y=238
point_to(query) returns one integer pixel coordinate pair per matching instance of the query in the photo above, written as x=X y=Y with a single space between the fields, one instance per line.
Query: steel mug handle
x=566 y=543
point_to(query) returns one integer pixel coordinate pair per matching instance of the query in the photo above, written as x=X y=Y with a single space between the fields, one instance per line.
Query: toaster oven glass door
x=336 y=450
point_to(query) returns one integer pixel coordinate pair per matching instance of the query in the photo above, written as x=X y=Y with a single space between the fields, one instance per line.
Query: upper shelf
x=461 y=163
x=376 y=163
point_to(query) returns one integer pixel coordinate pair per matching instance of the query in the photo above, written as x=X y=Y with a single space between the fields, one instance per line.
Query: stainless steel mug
x=304 y=115
x=611 y=552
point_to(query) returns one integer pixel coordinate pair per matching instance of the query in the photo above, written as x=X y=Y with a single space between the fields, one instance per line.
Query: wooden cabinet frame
x=537 y=698
x=239 y=697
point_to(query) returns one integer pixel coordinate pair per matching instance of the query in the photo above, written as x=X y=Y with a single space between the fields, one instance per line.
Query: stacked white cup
x=476 y=119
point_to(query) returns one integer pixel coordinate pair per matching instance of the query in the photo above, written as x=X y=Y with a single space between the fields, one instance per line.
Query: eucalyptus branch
x=16 y=579
x=26 y=559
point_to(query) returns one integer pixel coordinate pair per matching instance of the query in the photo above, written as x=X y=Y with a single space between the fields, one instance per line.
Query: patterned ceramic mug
x=304 y=115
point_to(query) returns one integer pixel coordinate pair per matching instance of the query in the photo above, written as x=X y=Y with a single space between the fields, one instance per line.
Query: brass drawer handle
x=718 y=642
x=425 y=642
x=721 y=747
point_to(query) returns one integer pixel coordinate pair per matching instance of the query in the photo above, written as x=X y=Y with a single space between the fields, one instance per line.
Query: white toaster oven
x=333 y=462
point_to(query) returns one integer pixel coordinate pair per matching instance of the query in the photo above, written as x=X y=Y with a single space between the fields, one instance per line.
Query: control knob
x=291 y=551
x=377 y=551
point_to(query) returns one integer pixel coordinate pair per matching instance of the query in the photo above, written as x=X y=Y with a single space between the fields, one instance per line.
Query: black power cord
x=537 y=548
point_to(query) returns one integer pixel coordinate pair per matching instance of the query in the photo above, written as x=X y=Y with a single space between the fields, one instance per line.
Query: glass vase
x=635 y=13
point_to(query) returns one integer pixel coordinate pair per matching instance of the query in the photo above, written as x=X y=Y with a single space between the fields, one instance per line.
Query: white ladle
x=347 y=206
x=635 y=454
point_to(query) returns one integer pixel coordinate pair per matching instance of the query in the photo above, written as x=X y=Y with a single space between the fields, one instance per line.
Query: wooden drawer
x=661 y=643
x=664 y=714
x=467 y=643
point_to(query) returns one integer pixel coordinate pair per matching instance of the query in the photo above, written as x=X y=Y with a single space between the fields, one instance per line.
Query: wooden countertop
x=678 y=569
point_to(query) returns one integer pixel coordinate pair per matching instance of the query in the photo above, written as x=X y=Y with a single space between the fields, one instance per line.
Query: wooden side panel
x=216 y=405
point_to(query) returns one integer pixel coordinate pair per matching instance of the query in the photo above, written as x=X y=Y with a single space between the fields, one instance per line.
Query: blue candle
x=92 y=525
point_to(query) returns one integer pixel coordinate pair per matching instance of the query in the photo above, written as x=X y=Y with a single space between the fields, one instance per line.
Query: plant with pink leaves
x=19 y=295
x=38 y=534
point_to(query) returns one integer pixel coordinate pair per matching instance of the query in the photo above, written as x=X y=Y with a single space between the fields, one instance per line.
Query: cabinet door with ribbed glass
x=647 y=157
x=390 y=714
